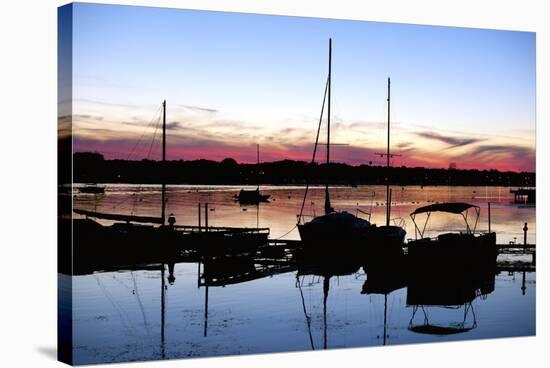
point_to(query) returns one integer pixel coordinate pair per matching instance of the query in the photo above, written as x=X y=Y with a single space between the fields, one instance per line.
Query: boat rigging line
x=315 y=147
x=308 y=318
x=153 y=140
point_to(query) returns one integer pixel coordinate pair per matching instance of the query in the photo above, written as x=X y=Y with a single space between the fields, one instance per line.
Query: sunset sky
x=233 y=80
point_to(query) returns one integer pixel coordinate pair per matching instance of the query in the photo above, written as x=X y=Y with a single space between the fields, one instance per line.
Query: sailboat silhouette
x=253 y=196
x=334 y=227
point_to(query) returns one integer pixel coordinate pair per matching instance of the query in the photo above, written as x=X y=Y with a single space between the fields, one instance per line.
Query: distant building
x=452 y=166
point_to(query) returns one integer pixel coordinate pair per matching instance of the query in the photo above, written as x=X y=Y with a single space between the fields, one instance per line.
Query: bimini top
x=452 y=207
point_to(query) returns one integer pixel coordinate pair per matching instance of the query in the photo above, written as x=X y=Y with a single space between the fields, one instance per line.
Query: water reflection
x=326 y=266
x=430 y=305
x=384 y=281
x=454 y=290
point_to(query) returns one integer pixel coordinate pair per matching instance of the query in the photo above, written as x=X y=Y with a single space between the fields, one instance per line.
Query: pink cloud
x=483 y=157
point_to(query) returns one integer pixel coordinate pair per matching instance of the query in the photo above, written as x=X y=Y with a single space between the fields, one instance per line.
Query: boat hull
x=95 y=246
x=374 y=246
x=251 y=197
x=92 y=190
x=323 y=236
x=458 y=250
x=385 y=241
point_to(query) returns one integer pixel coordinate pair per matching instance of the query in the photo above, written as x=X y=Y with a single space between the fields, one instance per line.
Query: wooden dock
x=194 y=229
x=524 y=195
x=516 y=248
x=510 y=248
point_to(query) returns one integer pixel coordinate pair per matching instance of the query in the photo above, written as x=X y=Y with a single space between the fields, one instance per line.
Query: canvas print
x=242 y=183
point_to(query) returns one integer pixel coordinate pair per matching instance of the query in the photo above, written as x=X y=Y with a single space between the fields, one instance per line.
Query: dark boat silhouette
x=462 y=249
x=334 y=227
x=253 y=196
x=96 y=246
x=92 y=189
x=132 y=237
x=342 y=230
x=247 y=196
x=389 y=237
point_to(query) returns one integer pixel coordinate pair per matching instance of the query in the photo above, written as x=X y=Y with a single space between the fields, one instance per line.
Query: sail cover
x=456 y=207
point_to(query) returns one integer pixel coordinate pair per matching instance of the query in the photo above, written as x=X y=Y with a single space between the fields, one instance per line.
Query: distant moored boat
x=253 y=196
x=91 y=188
x=462 y=249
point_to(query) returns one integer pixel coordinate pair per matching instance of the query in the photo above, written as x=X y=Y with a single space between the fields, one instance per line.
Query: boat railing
x=450 y=231
x=302 y=219
x=360 y=211
x=399 y=222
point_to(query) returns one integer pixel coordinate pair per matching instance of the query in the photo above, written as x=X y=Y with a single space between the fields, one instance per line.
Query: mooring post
x=534 y=258
x=489 y=214
x=206 y=216
x=199 y=217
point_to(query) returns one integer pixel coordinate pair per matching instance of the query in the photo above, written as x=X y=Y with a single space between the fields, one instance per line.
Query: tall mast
x=328 y=207
x=163 y=206
x=388 y=163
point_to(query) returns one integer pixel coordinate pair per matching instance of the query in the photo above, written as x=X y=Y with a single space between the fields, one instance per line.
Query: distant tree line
x=91 y=167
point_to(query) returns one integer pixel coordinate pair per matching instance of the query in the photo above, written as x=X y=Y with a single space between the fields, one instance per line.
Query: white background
x=28 y=119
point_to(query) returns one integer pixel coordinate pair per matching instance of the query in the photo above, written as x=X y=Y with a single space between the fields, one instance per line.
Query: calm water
x=279 y=215
x=118 y=316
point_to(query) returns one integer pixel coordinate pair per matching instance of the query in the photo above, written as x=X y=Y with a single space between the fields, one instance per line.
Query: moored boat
x=464 y=248
x=247 y=196
x=130 y=237
x=450 y=290
x=334 y=230
x=389 y=239
x=253 y=196
x=92 y=189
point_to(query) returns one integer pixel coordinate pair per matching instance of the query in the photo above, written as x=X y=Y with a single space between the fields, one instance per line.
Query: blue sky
x=231 y=80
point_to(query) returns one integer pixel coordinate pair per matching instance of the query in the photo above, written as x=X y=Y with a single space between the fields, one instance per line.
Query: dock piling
x=206 y=216
x=199 y=217
x=489 y=214
x=534 y=254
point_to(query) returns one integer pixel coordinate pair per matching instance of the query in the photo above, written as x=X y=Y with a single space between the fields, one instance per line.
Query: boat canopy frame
x=454 y=207
x=436 y=329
